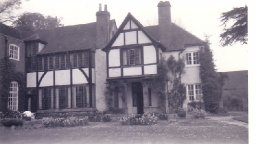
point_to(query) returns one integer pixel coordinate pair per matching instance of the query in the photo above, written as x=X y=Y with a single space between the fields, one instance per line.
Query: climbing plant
x=177 y=93
x=168 y=84
x=8 y=74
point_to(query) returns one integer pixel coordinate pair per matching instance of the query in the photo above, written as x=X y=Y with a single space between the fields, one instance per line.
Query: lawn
x=180 y=132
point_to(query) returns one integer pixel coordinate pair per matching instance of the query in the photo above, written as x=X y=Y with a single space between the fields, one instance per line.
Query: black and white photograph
x=125 y=72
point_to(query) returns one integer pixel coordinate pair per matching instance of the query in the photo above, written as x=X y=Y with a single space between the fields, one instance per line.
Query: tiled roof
x=67 y=38
x=179 y=38
x=6 y=30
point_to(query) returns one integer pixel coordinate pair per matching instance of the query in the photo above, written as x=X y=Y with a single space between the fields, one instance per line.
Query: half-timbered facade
x=134 y=53
x=70 y=68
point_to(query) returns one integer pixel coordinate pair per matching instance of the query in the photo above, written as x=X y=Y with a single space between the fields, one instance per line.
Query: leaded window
x=14 y=52
x=13 y=96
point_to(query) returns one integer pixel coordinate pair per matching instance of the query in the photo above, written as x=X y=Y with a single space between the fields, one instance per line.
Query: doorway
x=137 y=96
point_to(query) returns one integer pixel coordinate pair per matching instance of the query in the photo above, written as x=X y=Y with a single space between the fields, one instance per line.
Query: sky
x=200 y=17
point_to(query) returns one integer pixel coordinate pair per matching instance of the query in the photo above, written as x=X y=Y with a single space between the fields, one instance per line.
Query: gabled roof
x=179 y=38
x=127 y=18
x=9 y=31
x=67 y=38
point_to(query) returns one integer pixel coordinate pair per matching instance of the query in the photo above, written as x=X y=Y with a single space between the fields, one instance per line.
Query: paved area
x=229 y=120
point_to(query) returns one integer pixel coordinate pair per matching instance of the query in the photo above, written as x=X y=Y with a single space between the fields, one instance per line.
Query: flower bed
x=65 y=122
x=145 y=119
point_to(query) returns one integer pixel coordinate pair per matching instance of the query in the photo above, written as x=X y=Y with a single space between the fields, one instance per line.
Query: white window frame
x=14 y=52
x=196 y=94
x=194 y=58
x=13 y=98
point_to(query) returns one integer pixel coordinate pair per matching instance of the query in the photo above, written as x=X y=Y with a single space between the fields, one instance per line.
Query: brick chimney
x=102 y=27
x=164 y=21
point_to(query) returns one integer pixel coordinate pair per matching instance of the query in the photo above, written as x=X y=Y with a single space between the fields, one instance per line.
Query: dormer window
x=14 y=52
x=132 y=56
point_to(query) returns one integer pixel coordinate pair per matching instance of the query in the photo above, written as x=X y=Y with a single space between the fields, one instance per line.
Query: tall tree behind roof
x=7 y=8
x=36 y=21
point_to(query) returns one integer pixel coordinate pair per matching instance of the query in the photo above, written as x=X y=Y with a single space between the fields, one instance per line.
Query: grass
x=183 y=131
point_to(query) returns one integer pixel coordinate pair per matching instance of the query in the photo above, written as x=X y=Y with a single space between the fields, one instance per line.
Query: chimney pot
x=105 y=7
x=100 y=9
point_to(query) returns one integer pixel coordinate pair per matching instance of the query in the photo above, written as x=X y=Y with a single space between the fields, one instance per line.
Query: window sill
x=14 y=59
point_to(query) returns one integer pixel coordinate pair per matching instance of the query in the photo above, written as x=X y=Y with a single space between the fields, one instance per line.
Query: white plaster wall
x=78 y=77
x=130 y=37
x=119 y=40
x=47 y=79
x=127 y=26
x=133 y=25
x=114 y=57
x=150 y=69
x=131 y=71
x=149 y=54
x=62 y=77
x=143 y=38
x=114 y=72
x=31 y=79
x=191 y=75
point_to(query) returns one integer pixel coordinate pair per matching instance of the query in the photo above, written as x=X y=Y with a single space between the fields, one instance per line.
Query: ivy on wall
x=170 y=71
x=8 y=74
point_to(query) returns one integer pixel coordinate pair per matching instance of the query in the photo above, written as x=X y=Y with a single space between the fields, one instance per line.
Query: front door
x=137 y=95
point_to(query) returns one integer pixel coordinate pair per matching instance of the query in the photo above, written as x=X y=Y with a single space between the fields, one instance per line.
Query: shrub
x=195 y=105
x=12 y=114
x=181 y=113
x=106 y=118
x=65 y=122
x=222 y=111
x=161 y=116
x=145 y=119
x=116 y=110
x=198 y=113
x=8 y=122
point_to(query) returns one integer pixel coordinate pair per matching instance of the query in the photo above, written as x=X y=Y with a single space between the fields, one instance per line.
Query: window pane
x=13 y=96
x=196 y=58
x=51 y=62
x=62 y=62
x=149 y=97
x=125 y=57
x=131 y=57
x=80 y=59
x=57 y=62
x=138 y=56
x=46 y=98
x=40 y=63
x=188 y=58
x=45 y=63
x=63 y=97
x=75 y=59
x=191 y=92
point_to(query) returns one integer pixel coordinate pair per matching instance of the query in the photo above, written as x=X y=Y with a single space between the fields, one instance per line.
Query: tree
x=235 y=24
x=6 y=10
x=210 y=80
x=36 y=21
